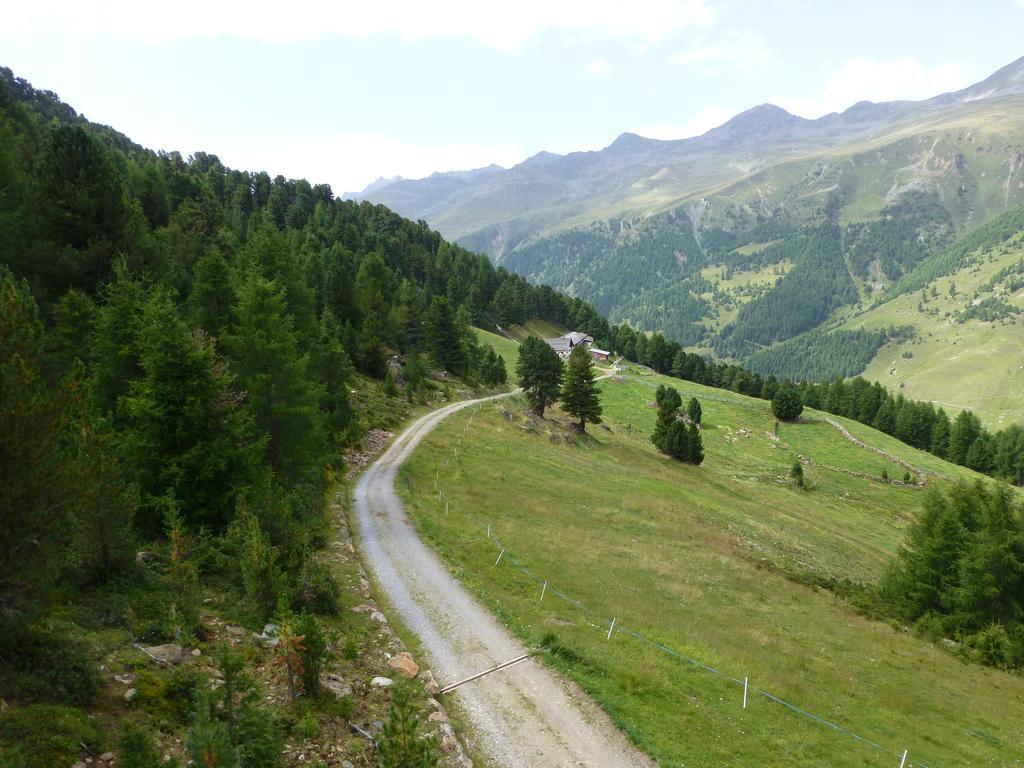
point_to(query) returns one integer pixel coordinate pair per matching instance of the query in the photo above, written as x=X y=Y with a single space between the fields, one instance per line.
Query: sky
x=344 y=92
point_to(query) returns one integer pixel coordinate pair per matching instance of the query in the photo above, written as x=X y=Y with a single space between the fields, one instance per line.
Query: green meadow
x=725 y=563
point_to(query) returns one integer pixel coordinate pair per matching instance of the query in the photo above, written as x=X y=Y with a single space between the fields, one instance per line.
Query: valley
x=729 y=564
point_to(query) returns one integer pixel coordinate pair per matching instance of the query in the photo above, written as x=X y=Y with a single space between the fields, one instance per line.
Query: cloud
x=348 y=162
x=743 y=52
x=599 y=67
x=863 y=79
x=699 y=124
x=504 y=27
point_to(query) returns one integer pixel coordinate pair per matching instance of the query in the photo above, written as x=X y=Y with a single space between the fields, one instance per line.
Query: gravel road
x=525 y=716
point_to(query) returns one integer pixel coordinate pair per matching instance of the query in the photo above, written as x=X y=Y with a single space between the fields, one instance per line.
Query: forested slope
x=186 y=350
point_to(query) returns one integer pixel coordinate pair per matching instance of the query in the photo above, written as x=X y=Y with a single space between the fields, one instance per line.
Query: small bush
x=995 y=647
x=46 y=665
x=317 y=590
x=137 y=749
x=43 y=734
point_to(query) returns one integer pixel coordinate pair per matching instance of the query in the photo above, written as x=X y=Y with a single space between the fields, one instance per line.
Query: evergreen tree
x=965 y=430
x=991 y=585
x=212 y=295
x=539 y=370
x=580 y=394
x=694 y=453
x=186 y=437
x=274 y=375
x=940 y=435
x=443 y=338
x=797 y=473
x=693 y=410
x=669 y=402
x=137 y=749
x=335 y=371
x=400 y=744
x=787 y=405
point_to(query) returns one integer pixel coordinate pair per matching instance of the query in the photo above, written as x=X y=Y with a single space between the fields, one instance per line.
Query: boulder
x=382 y=682
x=403 y=663
x=430 y=684
x=335 y=685
x=130 y=694
x=378 y=617
x=167 y=654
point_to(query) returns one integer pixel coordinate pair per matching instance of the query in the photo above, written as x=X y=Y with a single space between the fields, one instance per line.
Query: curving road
x=527 y=716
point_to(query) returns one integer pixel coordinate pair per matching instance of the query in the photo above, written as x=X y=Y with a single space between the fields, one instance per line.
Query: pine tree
x=400 y=745
x=443 y=337
x=539 y=370
x=274 y=374
x=669 y=402
x=137 y=749
x=965 y=430
x=186 y=436
x=787 y=405
x=797 y=473
x=694 y=446
x=580 y=394
x=212 y=296
x=693 y=410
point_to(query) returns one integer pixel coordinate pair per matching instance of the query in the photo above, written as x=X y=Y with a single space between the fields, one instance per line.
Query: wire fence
x=612 y=626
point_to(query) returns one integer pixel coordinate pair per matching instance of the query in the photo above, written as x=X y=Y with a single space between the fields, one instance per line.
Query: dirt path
x=527 y=716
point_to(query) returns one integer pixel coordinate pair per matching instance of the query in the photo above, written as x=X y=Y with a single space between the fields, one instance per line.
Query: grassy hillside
x=717 y=563
x=506 y=348
x=958 y=361
x=535 y=327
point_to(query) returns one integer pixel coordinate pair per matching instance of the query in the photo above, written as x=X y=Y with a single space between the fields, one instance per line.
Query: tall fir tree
x=274 y=374
x=580 y=394
x=539 y=370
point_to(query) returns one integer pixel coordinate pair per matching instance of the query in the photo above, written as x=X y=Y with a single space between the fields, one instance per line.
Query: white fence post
x=543 y=590
x=499 y=556
x=904 y=760
x=611 y=629
x=746 y=682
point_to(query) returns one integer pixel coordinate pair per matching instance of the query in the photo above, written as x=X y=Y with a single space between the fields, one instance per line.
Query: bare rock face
x=403 y=664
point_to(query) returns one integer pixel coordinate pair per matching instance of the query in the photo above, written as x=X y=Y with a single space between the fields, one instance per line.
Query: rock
x=379 y=617
x=430 y=684
x=196 y=652
x=269 y=636
x=130 y=694
x=346 y=764
x=79 y=764
x=403 y=663
x=234 y=629
x=436 y=704
x=107 y=757
x=167 y=654
x=335 y=685
x=123 y=679
x=364 y=608
x=382 y=682
x=436 y=717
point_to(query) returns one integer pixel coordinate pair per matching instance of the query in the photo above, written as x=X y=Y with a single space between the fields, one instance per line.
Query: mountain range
x=763 y=230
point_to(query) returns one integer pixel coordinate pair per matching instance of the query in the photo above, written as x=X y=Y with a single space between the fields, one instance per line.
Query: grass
x=535 y=327
x=717 y=563
x=975 y=365
x=507 y=348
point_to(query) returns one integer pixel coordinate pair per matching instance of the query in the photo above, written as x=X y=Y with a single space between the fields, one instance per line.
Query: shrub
x=44 y=665
x=137 y=749
x=43 y=734
x=317 y=590
x=995 y=647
